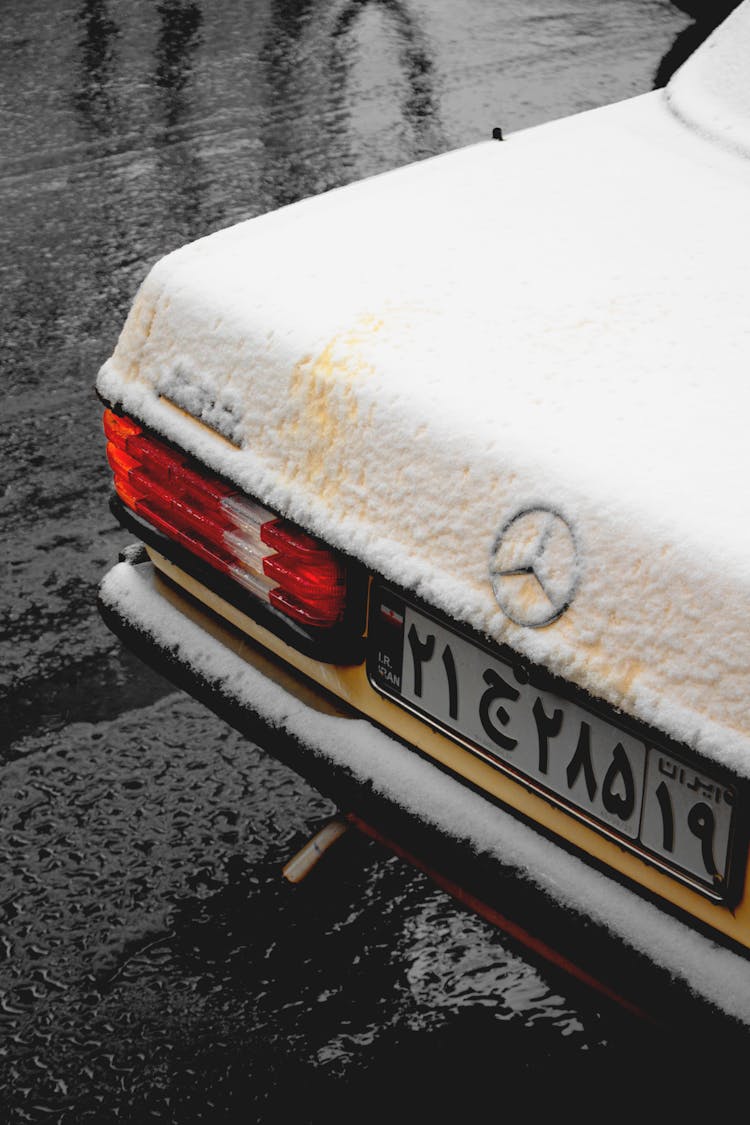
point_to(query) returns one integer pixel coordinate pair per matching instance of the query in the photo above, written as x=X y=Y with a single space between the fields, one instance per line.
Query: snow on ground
x=710 y=971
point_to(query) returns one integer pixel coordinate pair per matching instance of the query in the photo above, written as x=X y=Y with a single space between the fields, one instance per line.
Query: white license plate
x=652 y=801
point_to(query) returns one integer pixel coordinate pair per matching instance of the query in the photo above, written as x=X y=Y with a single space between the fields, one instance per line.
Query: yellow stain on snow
x=600 y=662
x=323 y=408
x=133 y=341
x=341 y=359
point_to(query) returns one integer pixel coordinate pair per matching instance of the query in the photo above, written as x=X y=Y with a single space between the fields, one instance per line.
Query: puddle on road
x=154 y=958
x=92 y=689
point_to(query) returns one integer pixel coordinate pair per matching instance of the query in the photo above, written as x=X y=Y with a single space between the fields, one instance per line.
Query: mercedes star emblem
x=535 y=567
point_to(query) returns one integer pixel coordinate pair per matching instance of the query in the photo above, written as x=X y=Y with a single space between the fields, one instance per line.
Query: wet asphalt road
x=153 y=965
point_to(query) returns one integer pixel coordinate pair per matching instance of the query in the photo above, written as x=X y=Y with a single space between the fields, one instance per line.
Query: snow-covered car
x=441 y=479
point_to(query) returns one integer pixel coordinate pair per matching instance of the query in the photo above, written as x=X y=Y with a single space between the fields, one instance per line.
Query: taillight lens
x=268 y=556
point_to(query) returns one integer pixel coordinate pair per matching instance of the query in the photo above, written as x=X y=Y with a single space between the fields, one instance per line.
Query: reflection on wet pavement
x=154 y=964
x=148 y=936
x=93 y=96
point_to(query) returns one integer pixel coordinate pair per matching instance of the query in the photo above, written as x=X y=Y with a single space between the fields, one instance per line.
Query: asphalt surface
x=153 y=963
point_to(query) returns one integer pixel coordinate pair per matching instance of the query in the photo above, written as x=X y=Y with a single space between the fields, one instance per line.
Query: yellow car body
x=478 y=389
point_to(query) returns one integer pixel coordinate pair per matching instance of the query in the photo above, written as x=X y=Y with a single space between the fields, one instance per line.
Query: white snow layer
x=709 y=971
x=560 y=319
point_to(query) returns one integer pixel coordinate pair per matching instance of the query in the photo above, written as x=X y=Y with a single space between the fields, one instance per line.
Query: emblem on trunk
x=535 y=567
x=193 y=392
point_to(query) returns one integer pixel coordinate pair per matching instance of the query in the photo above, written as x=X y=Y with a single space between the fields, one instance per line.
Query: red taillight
x=270 y=557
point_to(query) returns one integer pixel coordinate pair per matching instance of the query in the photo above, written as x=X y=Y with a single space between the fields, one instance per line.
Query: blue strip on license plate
x=649 y=799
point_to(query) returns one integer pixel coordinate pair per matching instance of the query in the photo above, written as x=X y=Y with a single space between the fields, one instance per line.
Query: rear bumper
x=478 y=851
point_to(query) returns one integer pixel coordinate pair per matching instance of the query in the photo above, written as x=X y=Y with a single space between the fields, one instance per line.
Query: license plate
x=649 y=799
